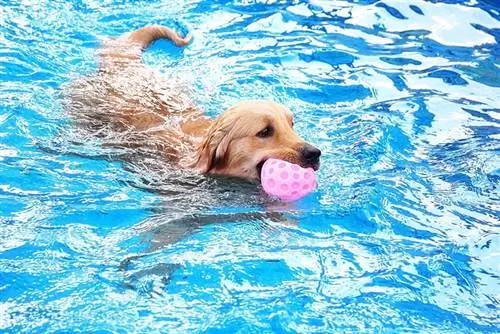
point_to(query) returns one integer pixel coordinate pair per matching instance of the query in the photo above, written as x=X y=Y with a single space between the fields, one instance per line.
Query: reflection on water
x=402 y=234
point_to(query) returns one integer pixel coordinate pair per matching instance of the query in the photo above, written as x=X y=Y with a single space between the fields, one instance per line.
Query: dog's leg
x=165 y=234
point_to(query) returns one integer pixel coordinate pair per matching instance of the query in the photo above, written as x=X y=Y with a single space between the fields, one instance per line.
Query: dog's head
x=245 y=136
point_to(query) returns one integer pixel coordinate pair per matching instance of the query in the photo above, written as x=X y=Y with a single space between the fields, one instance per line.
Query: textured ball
x=287 y=181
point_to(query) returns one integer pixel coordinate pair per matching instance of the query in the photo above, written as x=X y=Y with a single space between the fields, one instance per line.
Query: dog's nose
x=310 y=154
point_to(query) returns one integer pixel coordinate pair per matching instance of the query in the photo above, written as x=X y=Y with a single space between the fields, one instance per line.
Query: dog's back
x=127 y=105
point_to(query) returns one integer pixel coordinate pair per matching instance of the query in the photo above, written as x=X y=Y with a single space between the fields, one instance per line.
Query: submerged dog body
x=123 y=97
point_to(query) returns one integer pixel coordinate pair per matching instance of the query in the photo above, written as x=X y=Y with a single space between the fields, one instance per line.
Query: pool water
x=402 y=235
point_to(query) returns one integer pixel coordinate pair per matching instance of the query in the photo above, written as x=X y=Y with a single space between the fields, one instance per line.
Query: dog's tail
x=129 y=48
x=147 y=35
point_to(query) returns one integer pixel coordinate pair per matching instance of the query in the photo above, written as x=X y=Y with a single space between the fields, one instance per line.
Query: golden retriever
x=236 y=143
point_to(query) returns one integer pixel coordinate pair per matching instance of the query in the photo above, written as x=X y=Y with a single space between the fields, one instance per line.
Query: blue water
x=403 y=234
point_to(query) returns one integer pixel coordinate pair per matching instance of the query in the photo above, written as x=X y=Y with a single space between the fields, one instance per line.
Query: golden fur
x=234 y=144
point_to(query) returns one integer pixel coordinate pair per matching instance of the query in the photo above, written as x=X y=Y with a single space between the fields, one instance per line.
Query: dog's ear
x=211 y=153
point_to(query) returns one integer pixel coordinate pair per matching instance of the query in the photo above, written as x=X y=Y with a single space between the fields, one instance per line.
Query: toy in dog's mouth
x=285 y=180
x=314 y=166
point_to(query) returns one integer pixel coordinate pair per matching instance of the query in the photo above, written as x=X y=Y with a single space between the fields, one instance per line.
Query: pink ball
x=287 y=181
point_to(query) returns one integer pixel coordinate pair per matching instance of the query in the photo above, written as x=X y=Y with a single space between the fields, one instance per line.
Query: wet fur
x=226 y=146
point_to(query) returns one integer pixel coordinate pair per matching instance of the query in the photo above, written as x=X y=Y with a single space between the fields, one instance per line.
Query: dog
x=129 y=109
x=235 y=144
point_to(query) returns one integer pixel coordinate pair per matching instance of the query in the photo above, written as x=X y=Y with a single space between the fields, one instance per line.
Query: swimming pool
x=401 y=236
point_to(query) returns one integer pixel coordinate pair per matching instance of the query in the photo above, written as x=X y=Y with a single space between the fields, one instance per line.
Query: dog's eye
x=266 y=132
